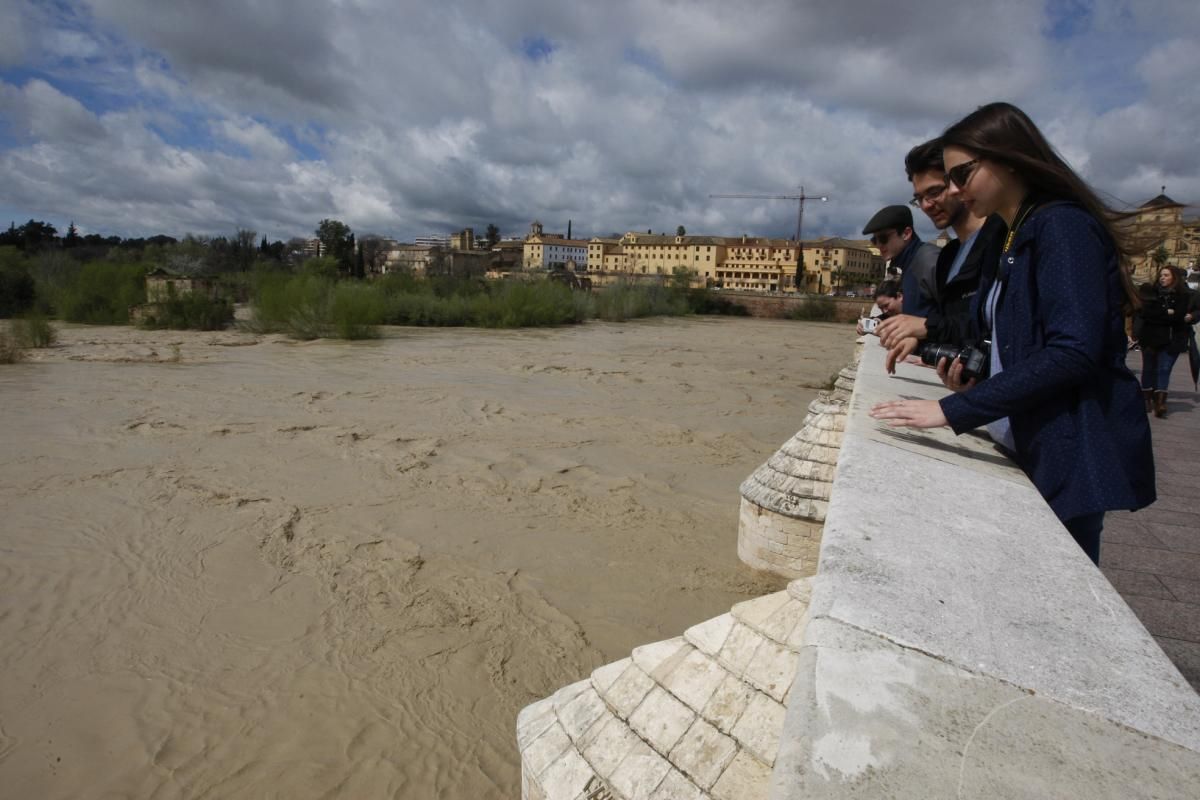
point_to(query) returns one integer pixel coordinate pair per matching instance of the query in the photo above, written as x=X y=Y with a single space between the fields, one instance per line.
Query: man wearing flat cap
x=891 y=230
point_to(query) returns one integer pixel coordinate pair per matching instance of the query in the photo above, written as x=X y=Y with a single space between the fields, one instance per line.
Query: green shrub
x=101 y=293
x=818 y=308
x=355 y=310
x=33 y=330
x=192 y=311
x=624 y=301
x=17 y=288
x=10 y=351
x=294 y=304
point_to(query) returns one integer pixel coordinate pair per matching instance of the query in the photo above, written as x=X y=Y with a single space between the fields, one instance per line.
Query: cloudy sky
x=136 y=117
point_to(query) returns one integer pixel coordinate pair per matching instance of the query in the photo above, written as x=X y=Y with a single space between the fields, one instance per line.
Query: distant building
x=544 y=251
x=1159 y=224
x=312 y=248
x=432 y=240
x=413 y=258
x=463 y=240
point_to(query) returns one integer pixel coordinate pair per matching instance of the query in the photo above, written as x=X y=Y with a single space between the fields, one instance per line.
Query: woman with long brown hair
x=1169 y=309
x=1059 y=397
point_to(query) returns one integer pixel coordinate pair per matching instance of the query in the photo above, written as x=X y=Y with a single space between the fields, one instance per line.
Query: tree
x=72 y=237
x=1161 y=256
x=337 y=242
x=242 y=247
x=681 y=231
x=493 y=235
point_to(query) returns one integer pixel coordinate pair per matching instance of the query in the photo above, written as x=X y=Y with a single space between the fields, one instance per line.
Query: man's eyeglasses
x=960 y=174
x=881 y=239
x=928 y=196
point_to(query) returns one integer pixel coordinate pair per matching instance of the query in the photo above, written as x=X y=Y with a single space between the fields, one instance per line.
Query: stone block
x=708 y=636
x=728 y=703
x=545 y=749
x=772 y=669
x=533 y=720
x=694 y=679
x=739 y=648
x=649 y=657
x=604 y=677
x=661 y=719
x=784 y=620
x=676 y=787
x=760 y=726
x=746 y=778
x=704 y=753
x=577 y=716
x=640 y=772
x=610 y=744
x=566 y=775
x=756 y=612
x=628 y=691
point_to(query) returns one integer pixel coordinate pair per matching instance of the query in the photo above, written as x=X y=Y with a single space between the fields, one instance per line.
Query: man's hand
x=898 y=352
x=951 y=375
x=911 y=413
x=901 y=326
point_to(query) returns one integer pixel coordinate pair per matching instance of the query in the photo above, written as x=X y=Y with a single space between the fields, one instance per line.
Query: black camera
x=976 y=361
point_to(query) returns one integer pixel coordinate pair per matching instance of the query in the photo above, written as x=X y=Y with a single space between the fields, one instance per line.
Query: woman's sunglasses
x=960 y=174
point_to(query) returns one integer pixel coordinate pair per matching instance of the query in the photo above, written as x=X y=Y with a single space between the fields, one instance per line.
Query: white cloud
x=404 y=117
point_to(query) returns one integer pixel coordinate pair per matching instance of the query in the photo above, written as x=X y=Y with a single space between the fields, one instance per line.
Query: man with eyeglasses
x=958 y=265
x=891 y=230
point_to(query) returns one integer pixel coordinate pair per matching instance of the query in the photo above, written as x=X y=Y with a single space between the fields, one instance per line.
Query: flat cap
x=890 y=218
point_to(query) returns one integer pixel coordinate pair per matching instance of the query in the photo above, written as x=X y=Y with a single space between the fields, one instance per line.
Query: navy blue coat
x=1077 y=414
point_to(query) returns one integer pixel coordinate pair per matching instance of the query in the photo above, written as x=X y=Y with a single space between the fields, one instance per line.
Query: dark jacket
x=1160 y=324
x=917 y=263
x=1077 y=415
x=951 y=321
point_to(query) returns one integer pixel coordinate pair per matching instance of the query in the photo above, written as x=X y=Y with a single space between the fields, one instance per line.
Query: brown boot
x=1160 y=404
x=1148 y=396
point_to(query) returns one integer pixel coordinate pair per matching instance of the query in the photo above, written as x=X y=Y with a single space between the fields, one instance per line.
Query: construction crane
x=799 y=199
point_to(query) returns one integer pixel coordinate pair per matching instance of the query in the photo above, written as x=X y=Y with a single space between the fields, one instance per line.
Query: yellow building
x=761 y=265
x=841 y=265
x=651 y=254
x=1159 y=224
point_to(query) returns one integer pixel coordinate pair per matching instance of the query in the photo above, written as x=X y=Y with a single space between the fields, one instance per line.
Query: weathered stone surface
x=710 y=635
x=739 y=648
x=694 y=680
x=759 y=728
x=640 y=772
x=728 y=703
x=661 y=720
x=772 y=669
x=676 y=787
x=878 y=720
x=746 y=778
x=566 y=776
x=612 y=742
x=628 y=691
x=578 y=715
x=704 y=753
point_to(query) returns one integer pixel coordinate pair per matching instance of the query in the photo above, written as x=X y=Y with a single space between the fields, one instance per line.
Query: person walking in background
x=1163 y=327
x=1059 y=397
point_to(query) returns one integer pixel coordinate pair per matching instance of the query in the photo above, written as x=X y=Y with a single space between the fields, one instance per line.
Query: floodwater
x=236 y=566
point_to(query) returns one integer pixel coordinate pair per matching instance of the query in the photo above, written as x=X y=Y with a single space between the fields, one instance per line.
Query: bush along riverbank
x=310 y=306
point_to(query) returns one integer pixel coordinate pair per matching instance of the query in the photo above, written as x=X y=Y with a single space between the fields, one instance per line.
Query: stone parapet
x=960 y=644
